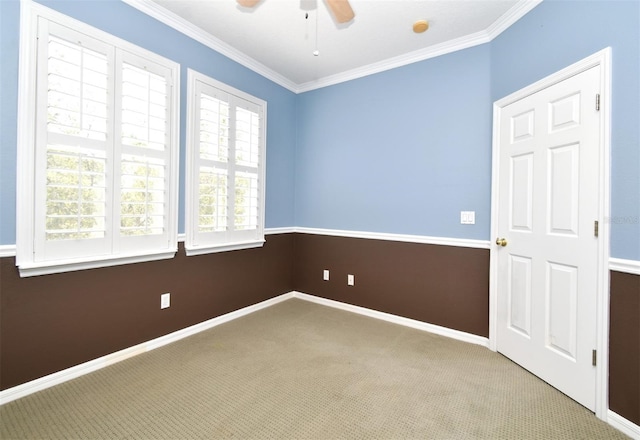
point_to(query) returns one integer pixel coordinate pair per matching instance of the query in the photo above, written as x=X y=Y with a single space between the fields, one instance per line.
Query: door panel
x=562 y=293
x=563 y=189
x=520 y=295
x=522 y=193
x=547 y=272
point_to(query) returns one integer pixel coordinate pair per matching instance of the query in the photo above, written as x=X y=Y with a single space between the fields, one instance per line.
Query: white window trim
x=191 y=204
x=25 y=185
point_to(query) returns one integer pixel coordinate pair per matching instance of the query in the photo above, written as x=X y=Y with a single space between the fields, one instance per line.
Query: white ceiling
x=277 y=40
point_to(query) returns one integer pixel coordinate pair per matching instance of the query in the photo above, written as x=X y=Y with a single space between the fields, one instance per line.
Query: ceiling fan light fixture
x=420 y=26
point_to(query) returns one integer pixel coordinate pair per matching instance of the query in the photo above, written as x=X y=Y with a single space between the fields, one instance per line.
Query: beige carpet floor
x=304 y=371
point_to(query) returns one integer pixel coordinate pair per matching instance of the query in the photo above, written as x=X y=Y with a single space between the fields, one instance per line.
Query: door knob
x=501 y=242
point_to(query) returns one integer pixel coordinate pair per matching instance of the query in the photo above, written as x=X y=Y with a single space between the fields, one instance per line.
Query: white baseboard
x=431 y=328
x=625 y=426
x=59 y=377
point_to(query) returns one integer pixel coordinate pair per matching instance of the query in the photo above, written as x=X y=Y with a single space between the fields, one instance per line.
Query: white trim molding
x=11 y=394
x=421 y=239
x=274 y=231
x=176 y=22
x=59 y=377
x=625 y=266
x=625 y=426
x=507 y=19
x=7 y=250
x=388 y=317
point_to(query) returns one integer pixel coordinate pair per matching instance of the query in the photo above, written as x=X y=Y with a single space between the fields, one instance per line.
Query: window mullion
x=116 y=148
x=231 y=161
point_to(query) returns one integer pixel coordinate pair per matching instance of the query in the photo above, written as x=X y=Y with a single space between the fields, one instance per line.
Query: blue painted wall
x=9 y=13
x=406 y=150
x=556 y=34
x=402 y=151
x=127 y=23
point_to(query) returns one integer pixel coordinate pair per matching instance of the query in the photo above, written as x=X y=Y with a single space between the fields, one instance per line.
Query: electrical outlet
x=350 y=280
x=165 y=300
x=325 y=275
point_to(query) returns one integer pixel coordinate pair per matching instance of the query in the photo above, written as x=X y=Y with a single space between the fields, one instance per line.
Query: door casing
x=602 y=59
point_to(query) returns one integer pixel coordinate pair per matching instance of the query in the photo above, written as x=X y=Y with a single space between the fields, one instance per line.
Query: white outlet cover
x=325 y=275
x=165 y=300
x=350 y=280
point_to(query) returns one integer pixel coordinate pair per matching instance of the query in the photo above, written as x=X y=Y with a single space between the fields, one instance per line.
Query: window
x=225 y=167
x=97 y=167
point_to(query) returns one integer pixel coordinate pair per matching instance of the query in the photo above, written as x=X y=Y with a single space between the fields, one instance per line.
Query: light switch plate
x=467 y=217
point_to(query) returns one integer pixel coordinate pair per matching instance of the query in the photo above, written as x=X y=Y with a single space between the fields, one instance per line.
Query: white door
x=547 y=249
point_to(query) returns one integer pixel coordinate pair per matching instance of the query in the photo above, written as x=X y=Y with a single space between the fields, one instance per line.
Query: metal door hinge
x=594 y=357
x=595 y=228
x=598 y=102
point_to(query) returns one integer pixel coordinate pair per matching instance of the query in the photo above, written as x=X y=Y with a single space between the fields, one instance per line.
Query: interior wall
x=401 y=151
x=624 y=346
x=126 y=22
x=52 y=322
x=442 y=285
x=558 y=33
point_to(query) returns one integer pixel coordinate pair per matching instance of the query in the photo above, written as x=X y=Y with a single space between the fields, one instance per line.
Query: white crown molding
x=399 y=61
x=514 y=14
x=507 y=19
x=181 y=25
x=176 y=22
x=626 y=266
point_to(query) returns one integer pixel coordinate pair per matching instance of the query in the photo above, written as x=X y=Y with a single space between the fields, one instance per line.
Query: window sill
x=201 y=250
x=51 y=267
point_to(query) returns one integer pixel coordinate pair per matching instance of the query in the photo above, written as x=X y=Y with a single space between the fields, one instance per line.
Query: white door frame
x=602 y=59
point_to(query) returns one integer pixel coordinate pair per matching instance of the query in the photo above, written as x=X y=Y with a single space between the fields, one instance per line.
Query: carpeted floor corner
x=298 y=370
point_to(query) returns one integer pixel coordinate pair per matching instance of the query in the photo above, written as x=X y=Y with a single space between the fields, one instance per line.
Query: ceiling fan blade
x=341 y=10
x=248 y=3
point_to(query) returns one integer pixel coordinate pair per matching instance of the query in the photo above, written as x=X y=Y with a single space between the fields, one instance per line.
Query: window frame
x=29 y=259
x=197 y=243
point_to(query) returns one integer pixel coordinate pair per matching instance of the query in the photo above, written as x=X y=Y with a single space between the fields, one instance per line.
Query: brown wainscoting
x=624 y=346
x=52 y=322
x=443 y=285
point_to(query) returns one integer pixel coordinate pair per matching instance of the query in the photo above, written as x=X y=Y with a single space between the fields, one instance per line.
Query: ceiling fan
x=341 y=9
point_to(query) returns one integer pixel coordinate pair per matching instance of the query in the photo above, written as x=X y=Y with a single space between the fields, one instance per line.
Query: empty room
x=320 y=219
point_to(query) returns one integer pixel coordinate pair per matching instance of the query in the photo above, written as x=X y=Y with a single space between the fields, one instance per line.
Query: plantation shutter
x=104 y=156
x=74 y=154
x=144 y=152
x=226 y=168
